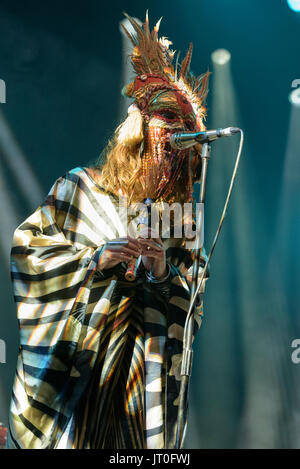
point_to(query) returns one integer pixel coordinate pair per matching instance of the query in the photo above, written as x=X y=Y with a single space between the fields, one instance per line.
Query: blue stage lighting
x=294 y=97
x=294 y=4
x=221 y=56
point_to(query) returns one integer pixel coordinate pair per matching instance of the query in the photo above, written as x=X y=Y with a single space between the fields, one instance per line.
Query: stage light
x=15 y=159
x=294 y=5
x=221 y=56
x=26 y=184
x=128 y=74
x=294 y=97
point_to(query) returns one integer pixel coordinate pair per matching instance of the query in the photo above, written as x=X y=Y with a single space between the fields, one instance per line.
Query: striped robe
x=99 y=357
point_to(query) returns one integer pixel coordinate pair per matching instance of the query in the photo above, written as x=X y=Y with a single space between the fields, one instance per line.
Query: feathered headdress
x=152 y=60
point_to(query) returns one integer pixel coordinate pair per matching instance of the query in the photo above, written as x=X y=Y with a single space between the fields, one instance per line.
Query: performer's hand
x=153 y=254
x=113 y=254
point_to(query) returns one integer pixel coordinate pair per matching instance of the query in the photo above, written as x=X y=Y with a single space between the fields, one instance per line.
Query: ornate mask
x=168 y=99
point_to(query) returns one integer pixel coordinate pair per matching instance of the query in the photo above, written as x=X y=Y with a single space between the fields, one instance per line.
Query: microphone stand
x=187 y=353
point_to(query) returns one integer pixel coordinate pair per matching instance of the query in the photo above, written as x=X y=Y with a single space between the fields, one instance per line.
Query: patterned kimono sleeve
x=53 y=260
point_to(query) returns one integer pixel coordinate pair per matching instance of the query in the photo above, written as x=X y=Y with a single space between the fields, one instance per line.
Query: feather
x=136 y=27
x=146 y=27
x=176 y=66
x=203 y=91
x=156 y=29
x=185 y=65
x=152 y=56
x=131 y=38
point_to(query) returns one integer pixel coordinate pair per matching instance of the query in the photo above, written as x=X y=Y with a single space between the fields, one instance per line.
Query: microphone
x=183 y=140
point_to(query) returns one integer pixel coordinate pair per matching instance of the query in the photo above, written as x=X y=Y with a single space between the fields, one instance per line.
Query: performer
x=99 y=357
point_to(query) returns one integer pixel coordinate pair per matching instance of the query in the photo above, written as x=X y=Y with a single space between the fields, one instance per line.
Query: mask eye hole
x=170 y=115
x=189 y=125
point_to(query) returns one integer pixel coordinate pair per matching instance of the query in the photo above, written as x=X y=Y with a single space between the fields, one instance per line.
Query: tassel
x=131 y=132
x=128 y=90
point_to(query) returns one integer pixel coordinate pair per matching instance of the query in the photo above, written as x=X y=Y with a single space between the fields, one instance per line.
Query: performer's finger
x=150 y=243
x=121 y=255
x=153 y=254
x=124 y=242
x=133 y=242
x=134 y=247
x=131 y=252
